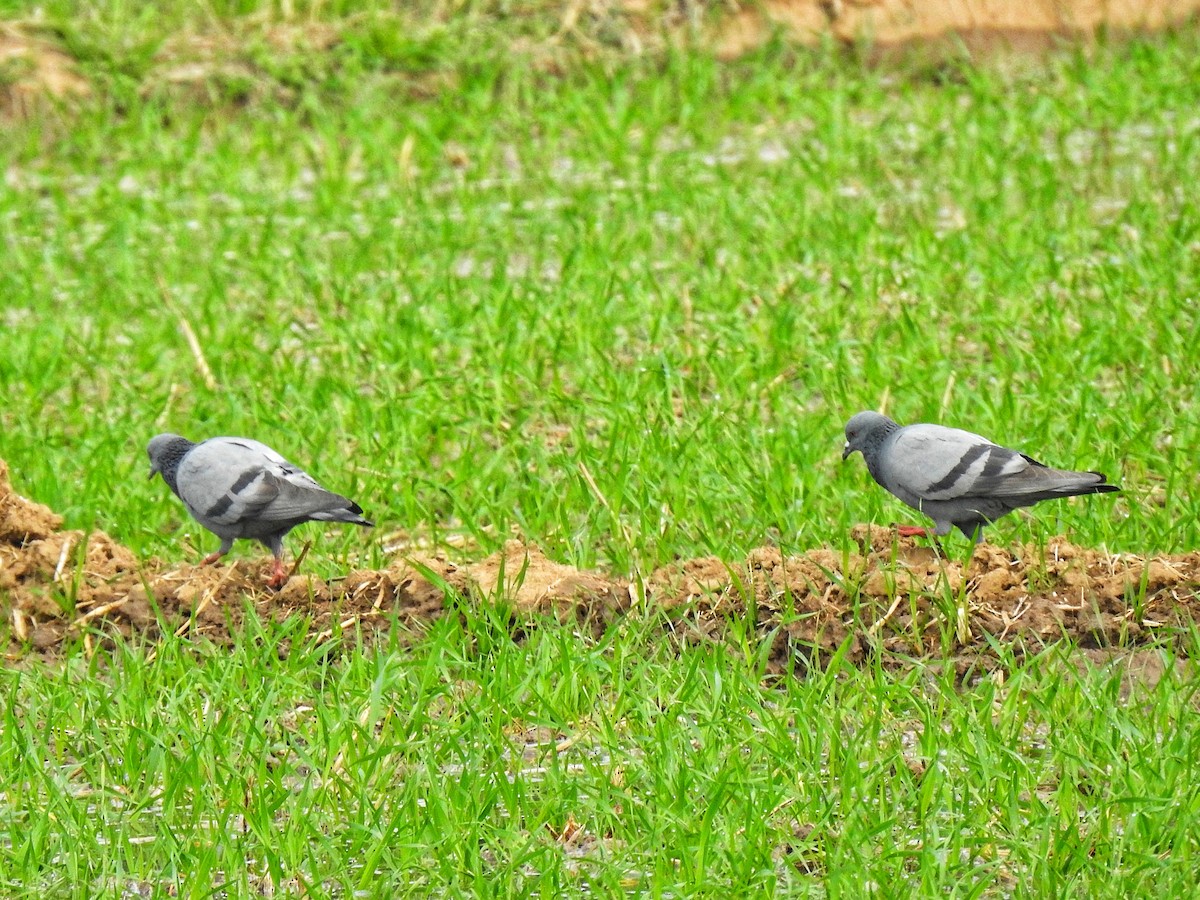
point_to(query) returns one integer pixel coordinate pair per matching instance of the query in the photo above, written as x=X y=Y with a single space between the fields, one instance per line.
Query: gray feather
x=958 y=478
x=240 y=488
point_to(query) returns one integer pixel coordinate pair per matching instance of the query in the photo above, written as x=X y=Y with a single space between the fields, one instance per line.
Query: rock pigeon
x=957 y=478
x=239 y=488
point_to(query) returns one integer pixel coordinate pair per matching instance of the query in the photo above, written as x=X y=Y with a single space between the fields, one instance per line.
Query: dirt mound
x=890 y=597
x=904 y=600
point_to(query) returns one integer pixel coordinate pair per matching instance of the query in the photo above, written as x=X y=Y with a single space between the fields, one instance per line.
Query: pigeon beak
x=846 y=451
x=153 y=472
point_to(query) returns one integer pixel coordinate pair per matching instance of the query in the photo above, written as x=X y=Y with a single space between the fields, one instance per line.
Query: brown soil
x=891 y=597
x=33 y=70
x=975 y=24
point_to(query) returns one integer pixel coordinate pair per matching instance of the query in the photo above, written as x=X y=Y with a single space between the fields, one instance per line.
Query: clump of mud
x=890 y=596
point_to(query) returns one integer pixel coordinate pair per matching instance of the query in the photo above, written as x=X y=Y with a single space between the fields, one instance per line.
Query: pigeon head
x=165 y=452
x=866 y=431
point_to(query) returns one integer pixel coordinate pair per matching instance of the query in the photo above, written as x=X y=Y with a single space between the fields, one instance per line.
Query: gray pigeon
x=239 y=488
x=957 y=478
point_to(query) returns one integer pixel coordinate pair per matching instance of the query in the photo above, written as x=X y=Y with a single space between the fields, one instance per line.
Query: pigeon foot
x=279 y=578
x=913 y=531
x=211 y=558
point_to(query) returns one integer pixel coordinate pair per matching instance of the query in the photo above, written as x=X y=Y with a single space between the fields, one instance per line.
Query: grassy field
x=623 y=309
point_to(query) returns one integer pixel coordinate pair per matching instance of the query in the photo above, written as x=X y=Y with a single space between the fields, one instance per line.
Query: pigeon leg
x=220 y=551
x=279 y=575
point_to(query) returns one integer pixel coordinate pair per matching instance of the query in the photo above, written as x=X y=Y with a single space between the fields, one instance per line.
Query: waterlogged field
x=621 y=311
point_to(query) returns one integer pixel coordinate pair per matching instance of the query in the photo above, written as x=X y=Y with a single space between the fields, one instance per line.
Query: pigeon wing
x=276 y=464
x=296 y=498
x=931 y=462
x=228 y=481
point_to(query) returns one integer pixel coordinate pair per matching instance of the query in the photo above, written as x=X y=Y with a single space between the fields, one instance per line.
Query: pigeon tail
x=1054 y=483
x=352 y=514
x=1102 y=487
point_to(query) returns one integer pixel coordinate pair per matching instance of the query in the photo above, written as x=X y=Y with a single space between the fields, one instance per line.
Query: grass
x=623 y=311
x=463 y=764
x=684 y=281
